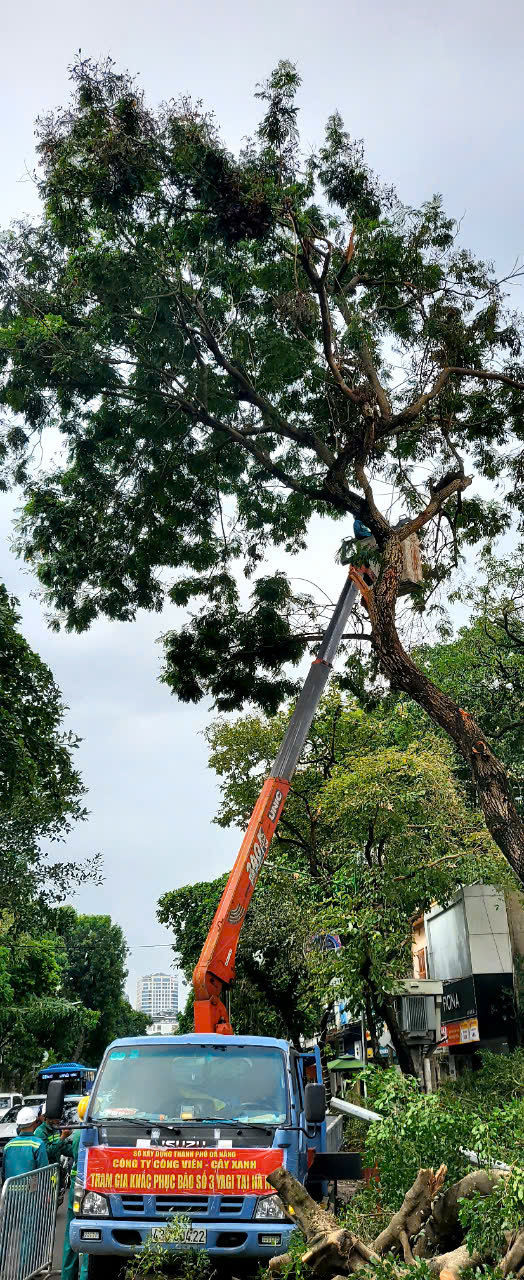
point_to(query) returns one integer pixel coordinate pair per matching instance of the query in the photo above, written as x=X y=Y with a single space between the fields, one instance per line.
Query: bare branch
x=318 y=284
x=376 y=516
x=370 y=371
x=455 y=486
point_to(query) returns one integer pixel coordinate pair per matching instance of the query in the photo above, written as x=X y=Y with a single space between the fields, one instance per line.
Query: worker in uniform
x=23 y=1154
x=360 y=530
x=57 y=1142
x=70 y=1259
x=27 y=1151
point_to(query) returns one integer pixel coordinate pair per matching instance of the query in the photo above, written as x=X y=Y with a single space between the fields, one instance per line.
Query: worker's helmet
x=26 y=1116
x=82 y=1106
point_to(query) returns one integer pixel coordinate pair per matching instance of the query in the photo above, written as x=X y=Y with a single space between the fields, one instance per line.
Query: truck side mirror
x=315 y=1103
x=54 y=1106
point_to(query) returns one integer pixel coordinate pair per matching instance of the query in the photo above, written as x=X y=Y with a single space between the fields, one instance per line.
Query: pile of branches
x=426 y=1226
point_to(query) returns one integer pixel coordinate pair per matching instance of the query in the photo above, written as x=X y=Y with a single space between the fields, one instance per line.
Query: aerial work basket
x=364 y=542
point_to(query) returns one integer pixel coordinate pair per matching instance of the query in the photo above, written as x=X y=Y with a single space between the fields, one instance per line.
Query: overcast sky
x=436 y=92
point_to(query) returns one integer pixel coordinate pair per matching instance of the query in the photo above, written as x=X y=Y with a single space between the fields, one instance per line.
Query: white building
x=157 y=995
x=163 y=1027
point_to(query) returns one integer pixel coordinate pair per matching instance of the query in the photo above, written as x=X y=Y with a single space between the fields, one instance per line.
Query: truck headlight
x=78 y=1191
x=270 y=1207
x=95 y=1206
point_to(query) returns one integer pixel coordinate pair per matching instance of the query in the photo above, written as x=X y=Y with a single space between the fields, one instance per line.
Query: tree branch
x=250 y=394
x=376 y=516
x=319 y=286
x=412 y=411
x=380 y=393
x=455 y=486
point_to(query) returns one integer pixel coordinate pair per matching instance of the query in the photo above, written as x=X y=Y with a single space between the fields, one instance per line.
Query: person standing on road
x=23 y=1154
x=27 y=1151
x=56 y=1141
x=70 y=1259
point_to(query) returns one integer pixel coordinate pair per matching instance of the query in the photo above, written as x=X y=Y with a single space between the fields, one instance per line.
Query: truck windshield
x=169 y=1083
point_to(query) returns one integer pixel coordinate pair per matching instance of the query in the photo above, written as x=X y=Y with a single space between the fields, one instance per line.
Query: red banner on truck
x=181 y=1171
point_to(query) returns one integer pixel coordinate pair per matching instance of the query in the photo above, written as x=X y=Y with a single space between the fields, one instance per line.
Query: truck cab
x=189 y=1126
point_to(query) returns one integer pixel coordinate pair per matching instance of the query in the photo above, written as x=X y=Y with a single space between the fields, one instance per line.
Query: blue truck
x=189 y=1126
x=155 y=1096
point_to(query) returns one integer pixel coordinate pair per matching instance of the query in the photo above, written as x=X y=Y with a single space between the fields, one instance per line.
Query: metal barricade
x=28 y=1205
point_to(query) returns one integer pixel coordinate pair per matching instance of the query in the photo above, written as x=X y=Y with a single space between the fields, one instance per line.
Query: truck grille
x=181 y=1204
x=195 y=1206
x=231 y=1206
x=133 y=1204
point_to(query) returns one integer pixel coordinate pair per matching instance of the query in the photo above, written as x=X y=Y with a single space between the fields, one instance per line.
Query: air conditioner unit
x=418 y=1010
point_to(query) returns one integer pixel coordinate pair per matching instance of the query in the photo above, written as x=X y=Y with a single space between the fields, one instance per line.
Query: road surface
x=59 y=1238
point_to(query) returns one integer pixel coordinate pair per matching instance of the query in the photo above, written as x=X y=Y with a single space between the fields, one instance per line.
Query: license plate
x=188 y=1235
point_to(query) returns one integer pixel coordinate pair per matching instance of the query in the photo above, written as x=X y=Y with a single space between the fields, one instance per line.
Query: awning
x=345 y=1064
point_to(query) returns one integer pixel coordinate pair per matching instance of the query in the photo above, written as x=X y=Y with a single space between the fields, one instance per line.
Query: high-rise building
x=157 y=994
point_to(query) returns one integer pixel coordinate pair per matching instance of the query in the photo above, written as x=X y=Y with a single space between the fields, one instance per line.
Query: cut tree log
x=414 y=1210
x=514 y=1258
x=449 y=1266
x=442 y=1230
x=427 y=1215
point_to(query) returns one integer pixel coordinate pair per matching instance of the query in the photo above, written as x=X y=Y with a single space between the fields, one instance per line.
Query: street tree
x=229 y=346
x=35 y=1017
x=41 y=791
x=95 y=972
x=275 y=992
x=376 y=828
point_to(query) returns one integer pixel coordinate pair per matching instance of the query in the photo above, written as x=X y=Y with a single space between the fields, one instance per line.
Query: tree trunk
x=489 y=775
x=427 y=1216
x=385 y=1010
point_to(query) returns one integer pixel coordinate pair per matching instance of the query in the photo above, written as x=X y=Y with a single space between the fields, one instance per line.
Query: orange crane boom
x=215 y=969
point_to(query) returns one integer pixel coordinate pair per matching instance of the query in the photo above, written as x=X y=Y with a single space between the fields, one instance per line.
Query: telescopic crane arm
x=216 y=967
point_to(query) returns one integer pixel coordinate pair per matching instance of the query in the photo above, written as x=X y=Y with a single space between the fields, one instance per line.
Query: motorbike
x=65 y=1165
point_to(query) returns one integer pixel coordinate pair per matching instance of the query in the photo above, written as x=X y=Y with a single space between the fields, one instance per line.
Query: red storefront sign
x=460 y=1032
x=181 y=1170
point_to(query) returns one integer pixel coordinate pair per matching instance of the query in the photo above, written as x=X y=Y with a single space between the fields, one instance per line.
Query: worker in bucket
x=71 y=1260
x=360 y=530
x=25 y=1152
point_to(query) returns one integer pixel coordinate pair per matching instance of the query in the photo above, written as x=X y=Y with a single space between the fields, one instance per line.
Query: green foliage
x=293 y=1267
x=483 y=666
x=154 y=1259
x=375 y=828
x=41 y=792
x=274 y=992
x=34 y=1014
x=208 y=333
x=416 y=1131
x=493 y=1099
x=476 y=1113
x=95 y=971
x=41 y=797
x=487 y=1221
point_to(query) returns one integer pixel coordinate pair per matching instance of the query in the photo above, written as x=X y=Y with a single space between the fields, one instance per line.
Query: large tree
x=376 y=828
x=230 y=345
x=41 y=791
x=95 y=971
x=483 y=663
